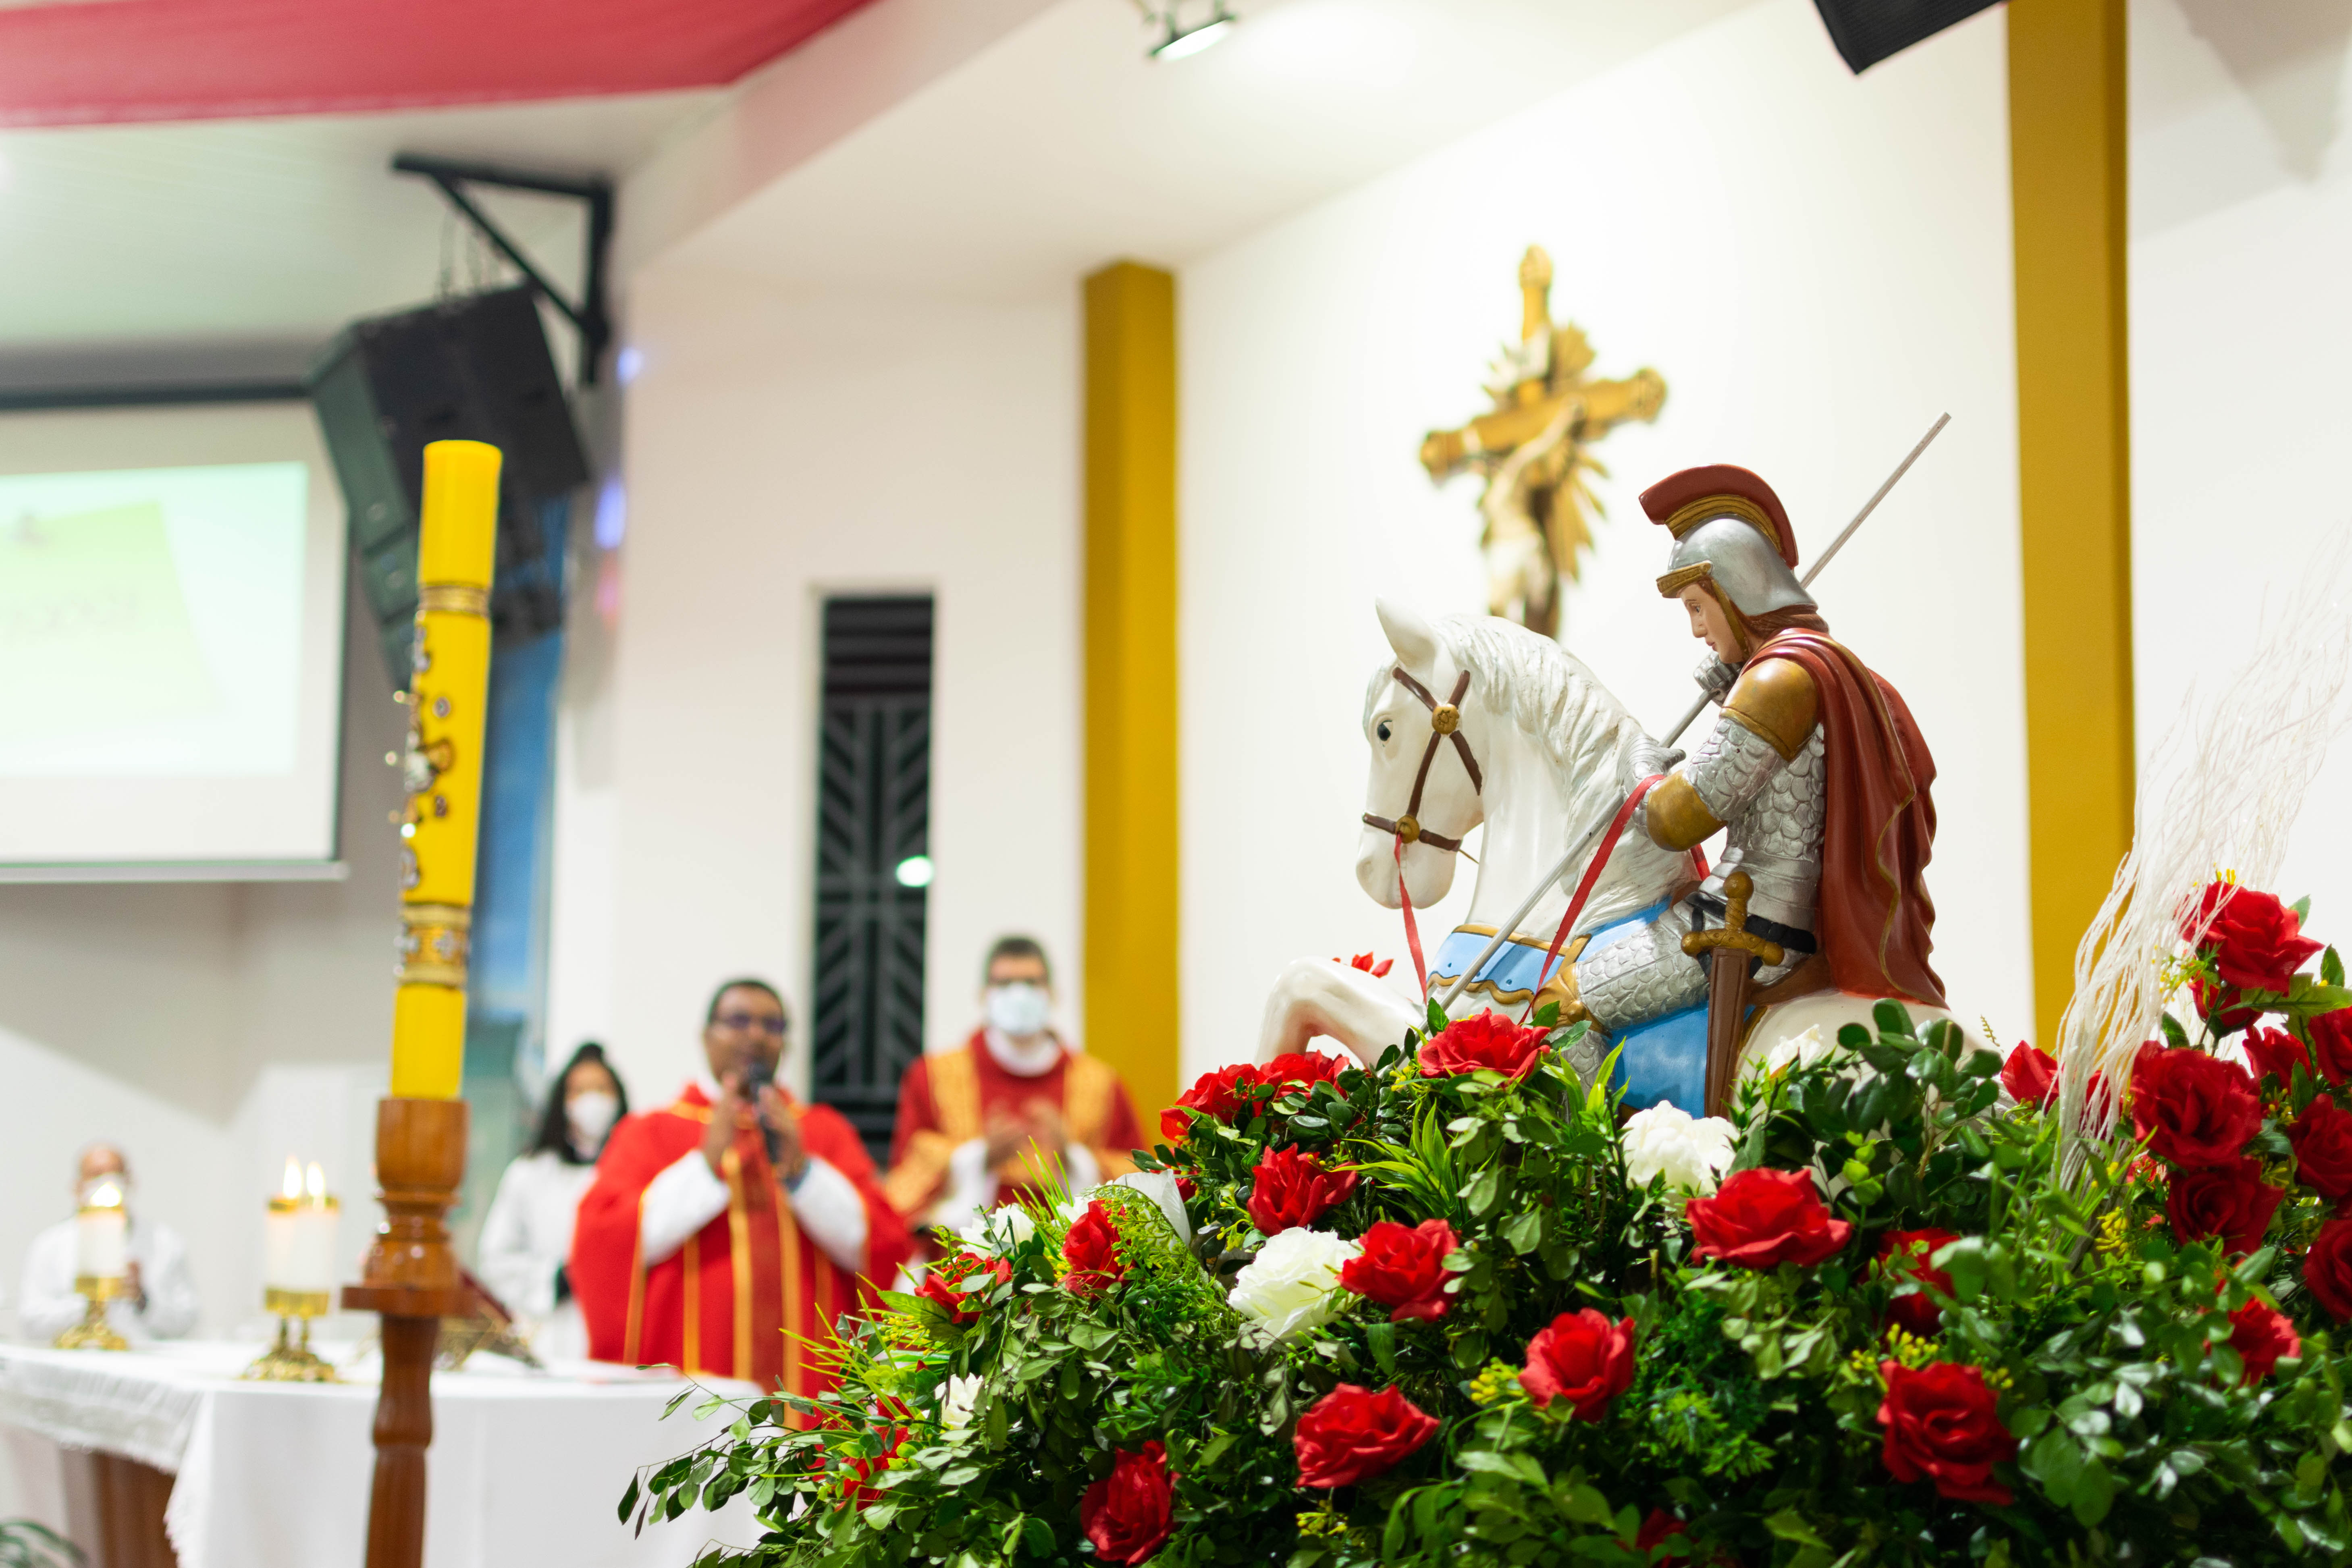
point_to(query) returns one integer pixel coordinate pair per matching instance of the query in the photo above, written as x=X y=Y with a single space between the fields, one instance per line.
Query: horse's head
x=1408 y=731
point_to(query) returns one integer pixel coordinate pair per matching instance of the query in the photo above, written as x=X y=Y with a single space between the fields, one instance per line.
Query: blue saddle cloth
x=1661 y=1061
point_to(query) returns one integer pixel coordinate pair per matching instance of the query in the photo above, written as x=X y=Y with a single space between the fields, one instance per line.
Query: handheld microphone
x=756 y=1079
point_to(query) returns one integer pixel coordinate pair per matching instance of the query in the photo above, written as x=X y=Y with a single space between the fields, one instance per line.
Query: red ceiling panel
x=100 y=61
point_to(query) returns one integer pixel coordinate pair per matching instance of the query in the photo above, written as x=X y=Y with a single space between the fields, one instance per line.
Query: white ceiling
x=238 y=247
x=262 y=232
x=1061 y=145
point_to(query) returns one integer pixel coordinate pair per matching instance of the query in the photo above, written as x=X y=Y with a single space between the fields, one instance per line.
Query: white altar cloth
x=524 y=1467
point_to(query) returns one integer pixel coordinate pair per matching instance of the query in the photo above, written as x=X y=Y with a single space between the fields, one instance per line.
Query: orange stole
x=944 y=1109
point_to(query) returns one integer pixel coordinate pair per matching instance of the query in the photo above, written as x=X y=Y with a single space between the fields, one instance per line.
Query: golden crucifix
x=1534 y=451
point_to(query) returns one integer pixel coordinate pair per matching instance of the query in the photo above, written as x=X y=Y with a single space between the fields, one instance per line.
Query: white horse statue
x=1547 y=744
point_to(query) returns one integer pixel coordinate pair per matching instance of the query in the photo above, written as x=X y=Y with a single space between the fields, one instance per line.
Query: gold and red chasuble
x=946 y=1099
x=748 y=1296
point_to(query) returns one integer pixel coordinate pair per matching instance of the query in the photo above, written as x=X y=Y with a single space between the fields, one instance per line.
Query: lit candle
x=101 y=1228
x=446 y=702
x=299 y=1254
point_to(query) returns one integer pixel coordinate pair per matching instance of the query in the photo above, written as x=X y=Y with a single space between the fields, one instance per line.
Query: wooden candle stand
x=410 y=1278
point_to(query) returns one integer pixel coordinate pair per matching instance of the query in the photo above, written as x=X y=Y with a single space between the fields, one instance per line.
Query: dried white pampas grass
x=2230 y=775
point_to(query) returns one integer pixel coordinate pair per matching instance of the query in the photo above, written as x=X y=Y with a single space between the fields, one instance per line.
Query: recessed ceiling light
x=1180 y=39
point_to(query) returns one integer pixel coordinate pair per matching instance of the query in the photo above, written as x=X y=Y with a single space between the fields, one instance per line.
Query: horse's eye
x=1383 y=731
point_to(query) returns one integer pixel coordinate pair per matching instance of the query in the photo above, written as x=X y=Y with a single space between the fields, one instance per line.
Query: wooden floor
x=114 y=1509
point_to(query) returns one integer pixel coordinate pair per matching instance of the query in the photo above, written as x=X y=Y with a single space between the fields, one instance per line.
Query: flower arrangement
x=1458 y=1309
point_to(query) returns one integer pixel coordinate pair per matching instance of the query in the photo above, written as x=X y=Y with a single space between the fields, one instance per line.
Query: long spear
x=1583 y=844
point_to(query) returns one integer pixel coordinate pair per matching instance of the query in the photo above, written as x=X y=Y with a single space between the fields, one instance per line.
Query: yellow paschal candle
x=448 y=702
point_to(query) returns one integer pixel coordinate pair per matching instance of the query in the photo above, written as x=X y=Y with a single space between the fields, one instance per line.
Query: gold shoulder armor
x=1774 y=698
x=1675 y=816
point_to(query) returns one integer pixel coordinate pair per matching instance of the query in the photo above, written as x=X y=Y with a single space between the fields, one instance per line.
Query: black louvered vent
x=873 y=834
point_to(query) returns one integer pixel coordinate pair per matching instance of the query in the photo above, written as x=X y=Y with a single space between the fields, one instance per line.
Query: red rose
x=1582 y=1358
x=2031 y=1076
x=1126 y=1513
x=1300 y=1070
x=1404 y=1267
x=1216 y=1094
x=1657 y=1530
x=2229 y=1202
x=2262 y=1336
x=1292 y=1188
x=856 y=1471
x=951 y=1279
x=2257 y=943
x=1091 y=1249
x=2275 y=1054
x=1906 y=1254
x=1942 y=1426
x=1363 y=961
x=2323 y=1150
x=1482 y=1041
x=1352 y=1433
x=1760 y=1219
x=2331 y=1044
x=2327 y=1267
x=2221 y=1007
x=1186 y=1187
x=2194 y=1110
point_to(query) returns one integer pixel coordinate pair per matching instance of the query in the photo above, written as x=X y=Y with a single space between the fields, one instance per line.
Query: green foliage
x=25 y=1544
x=1753 y=1414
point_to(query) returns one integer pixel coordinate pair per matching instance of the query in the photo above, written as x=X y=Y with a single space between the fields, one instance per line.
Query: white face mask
x=1019 y=1009
x=592 y=1116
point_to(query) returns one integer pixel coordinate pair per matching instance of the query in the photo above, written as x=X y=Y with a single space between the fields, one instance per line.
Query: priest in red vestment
x=695 y=1248
x=976 y=1123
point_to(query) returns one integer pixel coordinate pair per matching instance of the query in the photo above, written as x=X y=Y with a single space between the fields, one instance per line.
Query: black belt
x=1790 y=937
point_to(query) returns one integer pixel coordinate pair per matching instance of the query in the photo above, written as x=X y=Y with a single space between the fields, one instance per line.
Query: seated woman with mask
x=527 y=1234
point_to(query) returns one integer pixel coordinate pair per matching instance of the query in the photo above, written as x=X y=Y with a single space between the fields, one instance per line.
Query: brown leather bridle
x=1445 y=720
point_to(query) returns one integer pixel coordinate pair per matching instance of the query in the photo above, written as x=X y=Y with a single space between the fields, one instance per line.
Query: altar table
x=525 y=1468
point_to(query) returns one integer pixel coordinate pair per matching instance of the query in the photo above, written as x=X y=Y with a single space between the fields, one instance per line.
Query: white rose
x=1293 y=1284
x=1691 y=1153
x=1797 y=1050
x=958 y=1396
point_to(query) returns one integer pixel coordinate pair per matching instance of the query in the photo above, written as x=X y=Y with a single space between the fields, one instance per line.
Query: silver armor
x=1773 y=812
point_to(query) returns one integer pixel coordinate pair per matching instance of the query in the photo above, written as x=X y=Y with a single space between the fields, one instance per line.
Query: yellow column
x=2068 y=148
x=1131 y=864
x=448 y=703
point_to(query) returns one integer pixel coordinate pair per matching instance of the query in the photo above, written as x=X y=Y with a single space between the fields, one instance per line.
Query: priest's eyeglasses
x=747 y=1023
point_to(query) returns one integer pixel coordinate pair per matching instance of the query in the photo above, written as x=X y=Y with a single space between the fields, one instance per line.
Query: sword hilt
x=1734 y=931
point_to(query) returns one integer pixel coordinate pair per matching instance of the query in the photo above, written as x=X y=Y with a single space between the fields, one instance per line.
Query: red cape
x=748 y=1296
x=1876 y=923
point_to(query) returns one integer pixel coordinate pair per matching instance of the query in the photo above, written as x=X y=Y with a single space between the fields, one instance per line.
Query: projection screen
x=172 y=597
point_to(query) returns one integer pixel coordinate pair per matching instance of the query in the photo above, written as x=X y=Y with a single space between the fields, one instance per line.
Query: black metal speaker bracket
x=589 y=315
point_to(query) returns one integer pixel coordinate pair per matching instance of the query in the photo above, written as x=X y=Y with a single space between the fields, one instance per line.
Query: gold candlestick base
x=289 y=1361
x=94 y=1332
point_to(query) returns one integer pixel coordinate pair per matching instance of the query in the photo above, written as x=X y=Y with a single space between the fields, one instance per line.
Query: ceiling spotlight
x=1210 y=25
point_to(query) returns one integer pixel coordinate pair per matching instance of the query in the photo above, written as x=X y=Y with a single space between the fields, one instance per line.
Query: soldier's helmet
x=1729 y=530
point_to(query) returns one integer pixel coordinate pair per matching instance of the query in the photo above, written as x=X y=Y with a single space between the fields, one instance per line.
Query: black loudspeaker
x=1867 y=31
x=475 y=368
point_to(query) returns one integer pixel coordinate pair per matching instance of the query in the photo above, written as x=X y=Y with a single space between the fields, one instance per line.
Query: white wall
x=1818 y=265
x=781 y=446
x=211 y=1030
x=2242 y=213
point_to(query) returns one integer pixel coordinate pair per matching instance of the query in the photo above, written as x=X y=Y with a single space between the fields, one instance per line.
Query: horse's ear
x=1409 y=634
